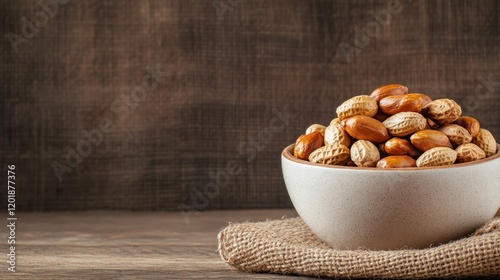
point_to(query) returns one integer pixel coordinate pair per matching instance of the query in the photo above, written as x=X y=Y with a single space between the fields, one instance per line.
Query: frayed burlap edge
x=288 y=247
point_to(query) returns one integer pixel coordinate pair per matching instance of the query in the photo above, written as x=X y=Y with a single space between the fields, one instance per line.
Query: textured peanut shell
x=425 y=140
x=457 y=134
x=388 y=90
x=401 y=161
x=442 y=111
x=336 y=120
x=437 y=157
x=316 y=127
x=405 y=123
x=365 y=128
x=306 y=144
x=394 y=104
x=469 y=152
x=471 y=124
x=364 y=153
x=336 y=154
x=485 y=140
x=335 y=134
x=362 y=105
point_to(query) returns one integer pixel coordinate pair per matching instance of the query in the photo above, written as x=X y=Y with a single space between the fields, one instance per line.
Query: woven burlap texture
x=287 y=246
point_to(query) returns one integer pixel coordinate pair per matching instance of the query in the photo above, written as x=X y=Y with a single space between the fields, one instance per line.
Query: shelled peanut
x=391 y=128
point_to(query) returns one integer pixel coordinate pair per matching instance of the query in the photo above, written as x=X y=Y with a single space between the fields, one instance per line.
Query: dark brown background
x=225 y=78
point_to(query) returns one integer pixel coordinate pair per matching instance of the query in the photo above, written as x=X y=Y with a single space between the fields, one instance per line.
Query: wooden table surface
x=126 y=245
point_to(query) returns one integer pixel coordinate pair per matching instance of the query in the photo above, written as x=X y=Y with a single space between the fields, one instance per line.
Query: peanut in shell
x=457 y=134
x=335 y=134
x=485 y=140
x=439 y=156
x=442 y=111
x=405 y=123
x=336 y=154
x=316 y=127
x=469 y=152
x=364 y=153
x=362 y=105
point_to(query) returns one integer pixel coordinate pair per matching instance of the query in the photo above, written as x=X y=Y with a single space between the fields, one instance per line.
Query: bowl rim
x=287 y=153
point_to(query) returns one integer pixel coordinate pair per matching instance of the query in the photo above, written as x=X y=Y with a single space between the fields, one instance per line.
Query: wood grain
x=225 y=79
x=125 y=245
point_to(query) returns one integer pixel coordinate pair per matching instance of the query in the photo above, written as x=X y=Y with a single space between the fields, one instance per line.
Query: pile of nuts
x=392 y=128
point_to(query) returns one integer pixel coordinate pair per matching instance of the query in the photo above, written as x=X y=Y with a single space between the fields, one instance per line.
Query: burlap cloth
x=287 y=246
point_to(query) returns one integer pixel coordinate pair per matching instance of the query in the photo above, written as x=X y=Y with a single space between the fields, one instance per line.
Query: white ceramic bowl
x=353 y=207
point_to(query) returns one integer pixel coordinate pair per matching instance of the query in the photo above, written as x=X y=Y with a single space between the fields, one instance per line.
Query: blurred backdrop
x=186 y=105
